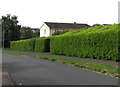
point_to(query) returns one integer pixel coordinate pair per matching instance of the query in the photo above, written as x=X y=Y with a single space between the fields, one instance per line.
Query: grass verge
x=14 y=53
x=97 y=67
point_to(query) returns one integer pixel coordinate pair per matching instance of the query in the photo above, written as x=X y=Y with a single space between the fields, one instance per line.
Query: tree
x=10 y=29
x=26 y=33
x=36 y=33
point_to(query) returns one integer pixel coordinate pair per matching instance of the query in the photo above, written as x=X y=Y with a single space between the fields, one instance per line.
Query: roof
x=65 y=25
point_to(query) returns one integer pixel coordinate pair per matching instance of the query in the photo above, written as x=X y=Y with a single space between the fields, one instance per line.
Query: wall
x=42 y=31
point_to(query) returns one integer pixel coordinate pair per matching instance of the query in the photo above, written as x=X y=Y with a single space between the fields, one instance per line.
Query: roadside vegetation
x=100 y=42
x=14 y=53
x=23 y=45
x=98 y=67
x=42 y=45
x=97 y=42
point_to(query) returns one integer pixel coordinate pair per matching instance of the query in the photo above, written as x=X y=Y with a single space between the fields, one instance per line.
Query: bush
x=34 y=44
x=42 y=45
x=95 y=42
x=23 y=45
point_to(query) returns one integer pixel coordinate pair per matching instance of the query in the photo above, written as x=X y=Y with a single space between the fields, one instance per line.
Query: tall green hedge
x=96 y=42
x=34 y=44
x=42 y=45
x=23 y=45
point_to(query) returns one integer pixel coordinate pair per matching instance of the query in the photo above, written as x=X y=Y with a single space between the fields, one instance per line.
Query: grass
x=14 y=53
x=97 y=67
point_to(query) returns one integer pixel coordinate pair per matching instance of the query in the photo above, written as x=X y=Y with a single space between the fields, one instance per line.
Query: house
x=49 y=28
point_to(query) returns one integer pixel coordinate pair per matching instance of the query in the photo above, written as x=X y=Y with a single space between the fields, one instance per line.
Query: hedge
x=23 y=45
x=34 y=44
x=95 y=42
x=42 y=45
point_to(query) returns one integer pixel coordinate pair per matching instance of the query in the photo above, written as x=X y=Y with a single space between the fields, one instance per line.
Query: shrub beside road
x=99 y=42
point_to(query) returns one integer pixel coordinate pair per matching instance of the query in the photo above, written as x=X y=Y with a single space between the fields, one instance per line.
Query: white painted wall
x=44 y=31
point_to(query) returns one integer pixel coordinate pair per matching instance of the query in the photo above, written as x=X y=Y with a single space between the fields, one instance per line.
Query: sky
x=34 y=13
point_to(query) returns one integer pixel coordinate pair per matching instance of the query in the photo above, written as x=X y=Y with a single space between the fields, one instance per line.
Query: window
x=44 y=31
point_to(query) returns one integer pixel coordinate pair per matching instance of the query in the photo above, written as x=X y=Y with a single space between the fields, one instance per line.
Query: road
x=32 y=71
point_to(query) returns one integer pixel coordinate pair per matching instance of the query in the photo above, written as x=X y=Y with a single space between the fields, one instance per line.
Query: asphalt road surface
x=33 y=71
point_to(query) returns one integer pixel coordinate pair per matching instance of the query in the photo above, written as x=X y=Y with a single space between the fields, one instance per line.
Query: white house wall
x=44 y=31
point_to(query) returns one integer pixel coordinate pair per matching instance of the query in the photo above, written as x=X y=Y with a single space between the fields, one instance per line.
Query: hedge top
x=91 y=30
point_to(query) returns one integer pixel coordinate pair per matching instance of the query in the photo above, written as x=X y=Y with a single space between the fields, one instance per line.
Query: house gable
x=44 y=31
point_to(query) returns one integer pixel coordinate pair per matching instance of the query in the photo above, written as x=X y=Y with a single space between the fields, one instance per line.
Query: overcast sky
x=33 y=13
